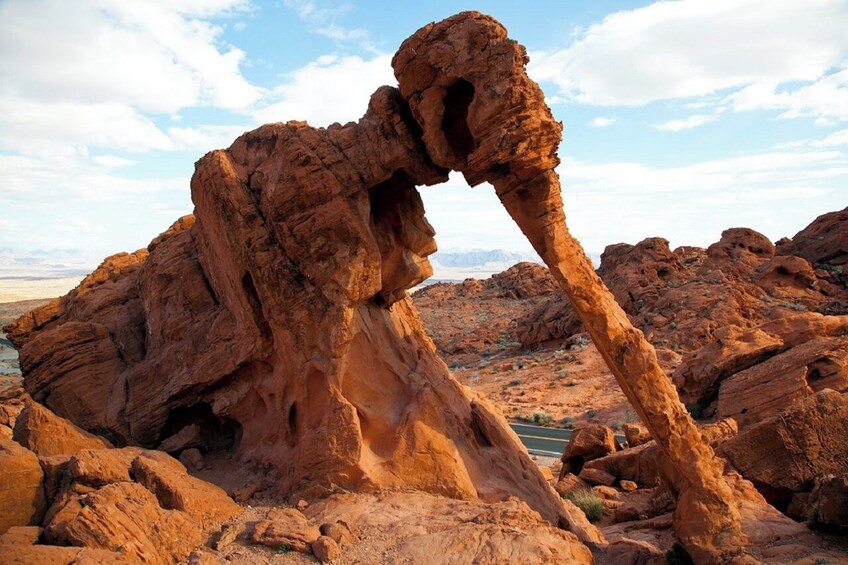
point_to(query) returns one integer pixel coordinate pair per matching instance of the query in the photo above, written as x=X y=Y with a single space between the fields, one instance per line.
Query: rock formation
x=684 y=298
x=276 y=318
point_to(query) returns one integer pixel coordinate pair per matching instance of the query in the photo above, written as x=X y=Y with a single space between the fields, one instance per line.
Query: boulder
x=47 y=434
x=326 y=549
x=338 y=531
x=785 y=454
x=829 y=502
x=823 y=242
x=137 y=502
x=175 y=489
x=286 y=527
x=636 y=434
x=125 y=517
x=590 y=442
x=597 y=477
x=767 y=388
x=636 y=464
x=733 y=349
x=22 y=501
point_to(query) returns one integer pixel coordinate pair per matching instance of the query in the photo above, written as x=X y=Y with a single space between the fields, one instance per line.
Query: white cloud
x=692 y=121
x=836 y=138
x=205 y=137
x=95 y=73
x=601 y=122
x=322 y=19
x=39 y=127
x=777 y=193
x=825 y=99
x=69 y=175
x=153 y=57
x=691 y=48
x=330 y=89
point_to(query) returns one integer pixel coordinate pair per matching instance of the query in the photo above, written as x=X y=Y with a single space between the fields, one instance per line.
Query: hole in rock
x=455 y=120
x=813 y=374
x=575 y=464
x=291 y=425
x=217 y=433
x=255 y=304
x=479 y=436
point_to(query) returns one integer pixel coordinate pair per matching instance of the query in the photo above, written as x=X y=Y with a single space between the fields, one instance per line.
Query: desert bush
x=542 y=418
x=588 y=502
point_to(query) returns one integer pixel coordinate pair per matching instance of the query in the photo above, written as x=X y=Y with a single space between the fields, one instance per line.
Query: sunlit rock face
x=276 y=318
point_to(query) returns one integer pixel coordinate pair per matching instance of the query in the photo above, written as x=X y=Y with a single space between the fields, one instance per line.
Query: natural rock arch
x=281 y=303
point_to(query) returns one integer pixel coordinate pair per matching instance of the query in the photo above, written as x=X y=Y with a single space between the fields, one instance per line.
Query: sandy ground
x=18 y=289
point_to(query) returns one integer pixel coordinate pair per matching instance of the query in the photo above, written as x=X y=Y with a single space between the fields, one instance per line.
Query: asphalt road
x=545 y=441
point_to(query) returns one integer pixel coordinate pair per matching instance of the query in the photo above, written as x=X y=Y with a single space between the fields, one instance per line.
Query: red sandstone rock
x=126 y=517
x=176 y=490
x=158 y=519
x=636 y=434
x=326 y=549
x=21 y=488
x=732 y=350
x=768 y=388
x=825 y=241
x=829 y=502
x=596 y=477
x=46 y=434
x=338 y=531
x=286 y=527
x=280 y=319
x=786 y=453
x=276 y=320
x=735 y=349
x=681 y=298
x=586 y=444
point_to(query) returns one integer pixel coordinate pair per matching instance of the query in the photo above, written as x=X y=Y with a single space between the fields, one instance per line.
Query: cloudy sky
x=681 y=118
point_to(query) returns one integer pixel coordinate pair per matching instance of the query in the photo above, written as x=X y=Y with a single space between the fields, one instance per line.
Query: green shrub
x=588 y=502
x=542 y=418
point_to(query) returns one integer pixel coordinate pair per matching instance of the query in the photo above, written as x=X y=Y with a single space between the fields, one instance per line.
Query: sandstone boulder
x=586 y=444
x=139 y=503
x=326 y=549
x=823 y=242
x=768 y=388
x=22 y=501
x=733 y=349
x=286 y=527
x=47 y=434
x=636 y=434
x=829 y=502
x=785 y=454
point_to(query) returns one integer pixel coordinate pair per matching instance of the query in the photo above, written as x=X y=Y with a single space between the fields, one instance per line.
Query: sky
x=681 y=118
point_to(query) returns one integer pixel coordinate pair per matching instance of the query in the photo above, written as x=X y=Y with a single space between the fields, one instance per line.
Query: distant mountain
x=460 y=264
x=464 y=259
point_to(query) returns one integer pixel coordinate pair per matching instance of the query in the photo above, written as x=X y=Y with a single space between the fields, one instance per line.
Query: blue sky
x=681 y=118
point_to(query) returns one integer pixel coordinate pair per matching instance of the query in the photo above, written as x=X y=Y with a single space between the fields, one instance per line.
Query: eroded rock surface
x=683 y=298
x=275 y=318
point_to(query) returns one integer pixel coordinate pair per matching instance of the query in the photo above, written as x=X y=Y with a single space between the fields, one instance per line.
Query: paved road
x=545 y=441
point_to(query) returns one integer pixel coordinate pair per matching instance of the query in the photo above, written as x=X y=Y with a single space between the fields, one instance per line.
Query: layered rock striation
x=276 y=319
